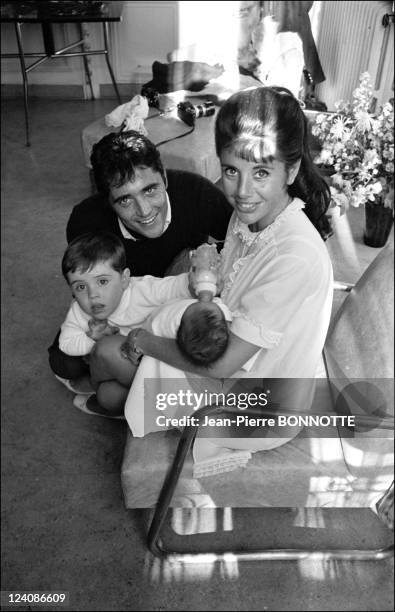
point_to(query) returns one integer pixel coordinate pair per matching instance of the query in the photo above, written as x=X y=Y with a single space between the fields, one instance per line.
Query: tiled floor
x=64 y=525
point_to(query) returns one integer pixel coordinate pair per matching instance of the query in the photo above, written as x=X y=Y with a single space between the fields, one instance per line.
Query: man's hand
x=98 y=329
x=130 y=349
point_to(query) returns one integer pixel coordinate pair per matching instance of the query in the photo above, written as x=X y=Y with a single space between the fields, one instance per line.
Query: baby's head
x=94 y=266
x=203 y=333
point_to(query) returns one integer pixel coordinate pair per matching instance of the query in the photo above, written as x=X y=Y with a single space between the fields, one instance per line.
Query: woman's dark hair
x=115 y=158
x=268 y=122
x=88 y=249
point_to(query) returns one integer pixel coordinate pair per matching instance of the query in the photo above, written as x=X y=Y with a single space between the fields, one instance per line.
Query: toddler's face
x=98 y=290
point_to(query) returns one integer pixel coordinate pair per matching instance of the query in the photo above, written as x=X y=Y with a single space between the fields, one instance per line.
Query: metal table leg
x=106 y=37
x=24 y=77
x=85 y=58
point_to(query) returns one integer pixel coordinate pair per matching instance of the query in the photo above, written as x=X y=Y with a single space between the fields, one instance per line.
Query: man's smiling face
x=141 y=202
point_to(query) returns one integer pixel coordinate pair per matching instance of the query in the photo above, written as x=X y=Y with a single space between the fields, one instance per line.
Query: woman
x=276 y=270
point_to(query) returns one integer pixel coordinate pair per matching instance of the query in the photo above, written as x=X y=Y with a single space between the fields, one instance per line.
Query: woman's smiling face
x=256 y=190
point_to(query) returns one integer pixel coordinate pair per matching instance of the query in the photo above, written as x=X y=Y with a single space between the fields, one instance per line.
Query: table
x=48 y=13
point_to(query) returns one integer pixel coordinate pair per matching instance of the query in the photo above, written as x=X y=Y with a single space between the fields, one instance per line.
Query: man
x=156 y=214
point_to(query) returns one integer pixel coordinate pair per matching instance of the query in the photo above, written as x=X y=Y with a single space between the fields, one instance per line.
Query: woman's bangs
x=255 y=148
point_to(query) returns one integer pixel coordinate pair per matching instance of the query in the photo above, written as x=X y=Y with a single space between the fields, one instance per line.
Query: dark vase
x=378 y=223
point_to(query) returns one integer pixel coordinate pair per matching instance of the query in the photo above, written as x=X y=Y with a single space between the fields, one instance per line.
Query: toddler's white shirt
x=141 y=297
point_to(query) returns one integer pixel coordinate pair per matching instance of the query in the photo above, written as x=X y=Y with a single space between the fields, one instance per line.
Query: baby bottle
x=204 y=267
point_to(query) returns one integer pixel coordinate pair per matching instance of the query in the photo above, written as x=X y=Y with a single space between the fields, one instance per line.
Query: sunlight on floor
x=191 y=568
x=186 y=521
x=309 y=517
x=321 y=571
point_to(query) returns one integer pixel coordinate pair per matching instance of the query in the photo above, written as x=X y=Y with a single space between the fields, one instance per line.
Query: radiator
x=351 y=39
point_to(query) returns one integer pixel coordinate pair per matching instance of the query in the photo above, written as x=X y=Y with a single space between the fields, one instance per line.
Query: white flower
x=339 y=199
x=363 y=121
x=359 y=146
x=338 y=148
x=376 y=187
x=337 y=180
x=339 y=105
x=358 y=196
x=370 y=158
x=326 y=156
x=357 y=199
x=339 y=129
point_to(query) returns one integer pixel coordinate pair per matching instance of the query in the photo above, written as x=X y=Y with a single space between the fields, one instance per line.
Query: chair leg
x=155 y=543
x=166 y=494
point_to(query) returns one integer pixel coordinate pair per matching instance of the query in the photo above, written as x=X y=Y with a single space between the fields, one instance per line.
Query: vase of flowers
x=359 y=148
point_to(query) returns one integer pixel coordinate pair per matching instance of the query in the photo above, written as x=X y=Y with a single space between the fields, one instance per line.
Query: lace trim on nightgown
x=251 y=239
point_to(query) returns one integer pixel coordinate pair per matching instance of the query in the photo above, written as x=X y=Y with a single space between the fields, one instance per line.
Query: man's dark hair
x=88 y=249
x=115 y=158
x=203 y=338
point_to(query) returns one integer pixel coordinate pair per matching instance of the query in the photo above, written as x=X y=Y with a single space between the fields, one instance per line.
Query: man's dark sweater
x=198 y=210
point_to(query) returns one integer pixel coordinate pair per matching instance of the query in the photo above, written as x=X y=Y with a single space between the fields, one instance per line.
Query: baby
x=200 y=328
x=203 y=333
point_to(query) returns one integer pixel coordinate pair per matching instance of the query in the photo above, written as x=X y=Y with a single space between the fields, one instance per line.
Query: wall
x=350 y=40
x=148 y=32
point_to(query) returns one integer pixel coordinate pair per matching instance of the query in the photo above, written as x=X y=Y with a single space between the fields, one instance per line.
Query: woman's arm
x=143 y=342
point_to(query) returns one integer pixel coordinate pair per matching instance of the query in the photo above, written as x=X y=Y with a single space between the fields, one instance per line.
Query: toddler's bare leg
x=111 y=395
x=107 y=363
